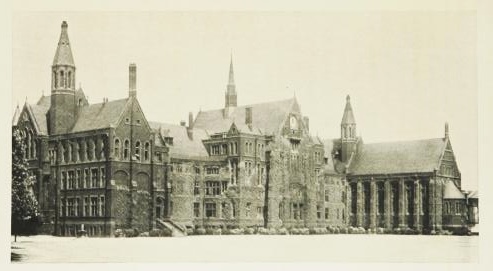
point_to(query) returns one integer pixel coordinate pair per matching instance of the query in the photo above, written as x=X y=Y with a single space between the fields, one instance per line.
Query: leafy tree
x=24 y=204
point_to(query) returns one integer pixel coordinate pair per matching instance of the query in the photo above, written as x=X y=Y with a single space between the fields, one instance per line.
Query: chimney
x=446 y=130
x=306 y=120
x=183 y=123
x=132 y=80
x=248 y=116
x=190 y=126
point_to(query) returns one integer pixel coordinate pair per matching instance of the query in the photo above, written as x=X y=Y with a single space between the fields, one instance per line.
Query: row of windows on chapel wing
x=125 y=154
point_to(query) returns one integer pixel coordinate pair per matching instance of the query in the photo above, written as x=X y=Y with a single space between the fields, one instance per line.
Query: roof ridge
x=247 y=105
x=403 y=141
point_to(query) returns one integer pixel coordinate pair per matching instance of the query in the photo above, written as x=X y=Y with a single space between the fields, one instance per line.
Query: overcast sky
x=407 y=72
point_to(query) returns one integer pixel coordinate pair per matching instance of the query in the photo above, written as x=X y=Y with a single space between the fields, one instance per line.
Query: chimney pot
x=183 y=123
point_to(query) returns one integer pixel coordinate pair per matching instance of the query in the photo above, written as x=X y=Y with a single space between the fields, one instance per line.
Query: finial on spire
x=348 y=99
x=446 y=130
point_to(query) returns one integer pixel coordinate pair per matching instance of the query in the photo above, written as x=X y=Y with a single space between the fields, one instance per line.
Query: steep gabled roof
x=17 y=114
x=398 y=157
x=101 y=115
x=37 y=112
x=183 y=146
x=267 y=117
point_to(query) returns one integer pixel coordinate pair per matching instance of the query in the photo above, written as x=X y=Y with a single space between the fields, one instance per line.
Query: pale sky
x=407 y=72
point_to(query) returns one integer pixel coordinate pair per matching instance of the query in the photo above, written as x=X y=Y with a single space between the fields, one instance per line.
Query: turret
x=63 y=109
x=348 y=132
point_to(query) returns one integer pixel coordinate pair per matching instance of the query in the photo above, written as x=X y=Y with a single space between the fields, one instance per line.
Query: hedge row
x=274 y=231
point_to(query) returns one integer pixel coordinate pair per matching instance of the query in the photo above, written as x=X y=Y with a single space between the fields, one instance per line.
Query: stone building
x=102 y=167
x=399 y=184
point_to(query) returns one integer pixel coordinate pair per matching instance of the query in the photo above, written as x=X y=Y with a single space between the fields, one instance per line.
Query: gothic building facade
x=102 y=167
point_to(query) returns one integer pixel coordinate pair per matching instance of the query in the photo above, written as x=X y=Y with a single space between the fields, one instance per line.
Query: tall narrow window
x=126 y=149
x=94 y=177
x=210 y=209
x=146 y=151
x=101 y=206
x=117 y=149
x=137 y=150
x=102 y=177
x=94 y=206
x=69 y=79
x=62 y=79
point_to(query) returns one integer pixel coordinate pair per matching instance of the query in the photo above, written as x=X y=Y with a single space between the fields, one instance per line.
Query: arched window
x=55 y=81
x=62 y=79
x=146 y=151
x=69 y=79
x=117 y=149
x=137 y=150
x=126 y=149
x=246 y=147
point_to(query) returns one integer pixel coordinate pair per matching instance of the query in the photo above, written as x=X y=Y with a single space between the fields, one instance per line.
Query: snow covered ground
x=250 y=248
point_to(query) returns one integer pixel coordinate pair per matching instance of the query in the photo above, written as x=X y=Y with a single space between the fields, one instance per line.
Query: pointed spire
x=446 y=130
x=63 y=55
x=348 y=117
x=231 y=80
x=16 y=116
x=230 y=97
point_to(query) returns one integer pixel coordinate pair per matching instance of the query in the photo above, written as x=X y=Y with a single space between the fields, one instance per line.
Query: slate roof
x=101 y=115
x=398 y=157
x=17 y=114
x=63 y=55
x=452 y=192
x=267 y=117
x=38 y=112
x=183 y=146
x=348 y=116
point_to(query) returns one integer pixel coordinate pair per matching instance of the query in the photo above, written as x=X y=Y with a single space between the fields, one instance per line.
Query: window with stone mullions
x=212 y=188
x=210 y=209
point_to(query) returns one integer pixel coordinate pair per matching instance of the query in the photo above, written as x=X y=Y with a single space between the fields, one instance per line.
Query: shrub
x=283 y=231
x=190 y=231
x=200 y=231
x=236 y=231
x=336 y=230
x=166 y=232
x=131 y=232
x=217 y=231
x=144 y=234
x=209 y=231
x=313 y=231
x=272 y=231
x=344 y=230
x=304 y=231
x=380 y=231
x=155 y=233
x=119 y=233
x=262 y=231
x=249 y=231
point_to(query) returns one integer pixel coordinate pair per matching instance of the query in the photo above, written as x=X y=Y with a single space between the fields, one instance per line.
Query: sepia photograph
x=164 y=136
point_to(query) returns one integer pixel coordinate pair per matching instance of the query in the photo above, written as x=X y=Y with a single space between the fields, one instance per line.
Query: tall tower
x=230 y=97
x=63 y=110
x=348 y=131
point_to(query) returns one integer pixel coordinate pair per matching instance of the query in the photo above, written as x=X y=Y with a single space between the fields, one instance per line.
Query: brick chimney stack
x=132 y=80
